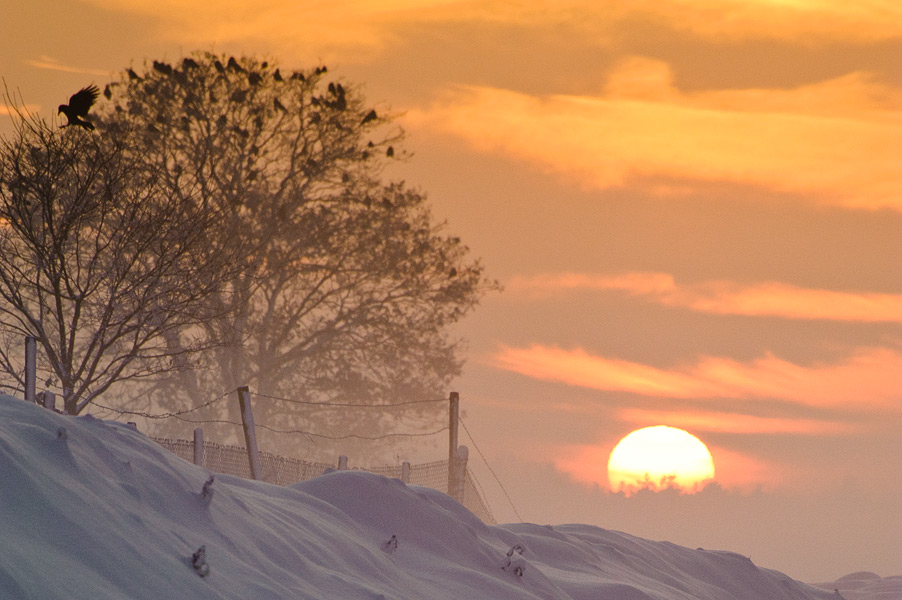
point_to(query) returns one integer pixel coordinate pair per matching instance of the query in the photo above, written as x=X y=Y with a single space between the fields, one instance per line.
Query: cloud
x=768 y=299
x=835 y=142
x=745 y=473
x=868 y=379
x=50 y=63
x=722 y=422
x=352 y=25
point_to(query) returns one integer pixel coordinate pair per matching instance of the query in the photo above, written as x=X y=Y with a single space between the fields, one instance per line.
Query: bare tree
x=102 y=264
x=348 y=286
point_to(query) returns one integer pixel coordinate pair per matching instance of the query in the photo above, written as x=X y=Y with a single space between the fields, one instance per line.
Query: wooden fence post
x=199 y=447
x=453 y=419
x=48 y=400
x=342 y=463
x=405 y=472
x=250 y=434
x=31 y=355
x=459 y=468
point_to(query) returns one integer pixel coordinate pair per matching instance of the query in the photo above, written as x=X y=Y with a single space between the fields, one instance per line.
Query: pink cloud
x=723 y=422
x=772 y=299
x=866 y=379
x=833 y=142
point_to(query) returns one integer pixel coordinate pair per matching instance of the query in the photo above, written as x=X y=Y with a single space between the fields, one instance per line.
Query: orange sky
x=695 y=208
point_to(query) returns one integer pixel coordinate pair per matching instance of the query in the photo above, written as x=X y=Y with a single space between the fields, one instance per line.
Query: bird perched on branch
x=79 y=104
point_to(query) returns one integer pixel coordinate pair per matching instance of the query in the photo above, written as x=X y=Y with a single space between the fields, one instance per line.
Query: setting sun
x=658 y=458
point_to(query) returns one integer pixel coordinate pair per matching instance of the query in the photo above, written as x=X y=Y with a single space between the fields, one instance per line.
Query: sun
x=660 y=457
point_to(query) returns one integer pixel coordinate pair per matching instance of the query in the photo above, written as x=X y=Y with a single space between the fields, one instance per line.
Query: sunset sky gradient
x=694 y=207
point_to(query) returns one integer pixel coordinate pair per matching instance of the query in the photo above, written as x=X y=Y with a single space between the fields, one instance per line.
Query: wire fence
x=281 y=470
x=448 y=476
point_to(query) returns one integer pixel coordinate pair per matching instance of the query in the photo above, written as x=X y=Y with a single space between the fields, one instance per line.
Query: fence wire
x=281 y=470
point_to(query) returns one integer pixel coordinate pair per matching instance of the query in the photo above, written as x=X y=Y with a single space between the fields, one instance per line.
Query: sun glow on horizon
x=658 y=458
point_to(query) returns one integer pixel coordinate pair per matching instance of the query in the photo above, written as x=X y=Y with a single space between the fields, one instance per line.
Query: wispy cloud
x=868 y=379
x=835 y=142
x=356 y=24
x=770 y=299
x=722 y=422
x=47 y=62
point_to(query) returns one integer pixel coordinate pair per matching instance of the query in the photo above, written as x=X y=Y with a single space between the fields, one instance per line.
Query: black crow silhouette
x=106 y=92
x=254 y=78
x=298 y=75
x=132 y=75
x=233 y=64
x=370 y=116
x=162 y=68
x=189 y=63
x=276 y=75
x=390 y=152
x=79 y=104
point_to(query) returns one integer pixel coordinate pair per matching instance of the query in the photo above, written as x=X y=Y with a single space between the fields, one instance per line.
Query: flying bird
x=79 y=104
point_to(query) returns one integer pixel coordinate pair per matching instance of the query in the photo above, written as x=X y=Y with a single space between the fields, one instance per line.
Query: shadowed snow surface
x=92 y=509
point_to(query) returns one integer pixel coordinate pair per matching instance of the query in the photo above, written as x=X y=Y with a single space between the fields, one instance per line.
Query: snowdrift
x=93 y=509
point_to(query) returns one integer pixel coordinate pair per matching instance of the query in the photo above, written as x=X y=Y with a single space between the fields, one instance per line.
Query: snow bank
x=93 y=509
x=866 y=586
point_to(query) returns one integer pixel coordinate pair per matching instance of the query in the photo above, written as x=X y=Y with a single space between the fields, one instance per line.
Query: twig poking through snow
x=391 y=545
x=206 y=493
x=199 y=562
x=515 y=566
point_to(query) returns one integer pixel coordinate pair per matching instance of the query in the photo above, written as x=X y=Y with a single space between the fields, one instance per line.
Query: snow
x=93 y=509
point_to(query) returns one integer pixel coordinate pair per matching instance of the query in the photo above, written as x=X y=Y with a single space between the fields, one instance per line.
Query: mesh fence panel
x=280 y=470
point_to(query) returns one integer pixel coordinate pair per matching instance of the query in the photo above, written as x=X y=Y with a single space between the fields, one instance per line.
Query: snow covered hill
x=93 y=510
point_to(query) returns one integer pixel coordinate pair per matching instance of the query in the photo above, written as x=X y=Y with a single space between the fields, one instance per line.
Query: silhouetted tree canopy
x=99 y=261
x=348 y=287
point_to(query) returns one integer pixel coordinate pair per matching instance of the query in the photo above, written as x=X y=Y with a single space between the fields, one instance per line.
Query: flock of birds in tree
x=80 y=103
